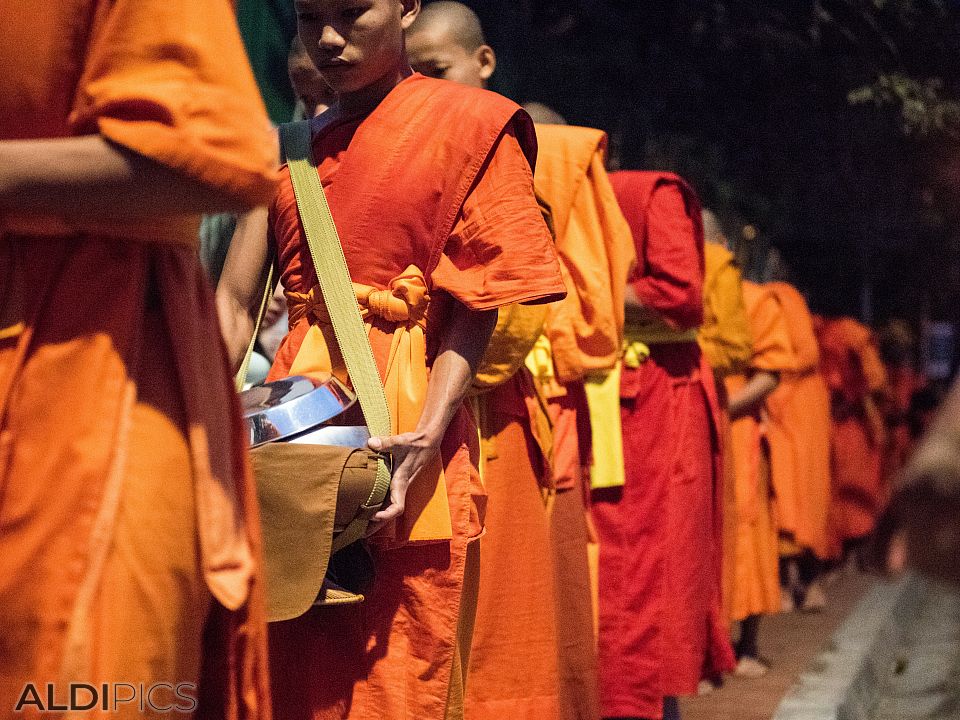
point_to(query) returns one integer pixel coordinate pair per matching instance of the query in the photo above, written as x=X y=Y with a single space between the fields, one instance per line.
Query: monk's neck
x=364 y=100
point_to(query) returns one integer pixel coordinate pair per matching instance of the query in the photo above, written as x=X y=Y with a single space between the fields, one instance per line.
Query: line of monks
x=607 y=445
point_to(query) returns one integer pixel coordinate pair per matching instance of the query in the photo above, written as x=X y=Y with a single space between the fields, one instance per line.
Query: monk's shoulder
x=571 y=141
x=453 y=99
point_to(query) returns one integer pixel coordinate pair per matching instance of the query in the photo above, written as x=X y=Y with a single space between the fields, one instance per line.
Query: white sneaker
x=751 y=668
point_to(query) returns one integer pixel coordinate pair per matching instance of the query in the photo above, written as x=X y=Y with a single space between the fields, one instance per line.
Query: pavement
x=791 y=642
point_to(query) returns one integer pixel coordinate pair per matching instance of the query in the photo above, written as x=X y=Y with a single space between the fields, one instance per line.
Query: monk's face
x=435 y=53
x=308 y=84
x=355 y=43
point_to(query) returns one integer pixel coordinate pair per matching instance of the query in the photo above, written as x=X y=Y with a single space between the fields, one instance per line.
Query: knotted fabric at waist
x=405 y=301
x=175 y=230
x=403 y=304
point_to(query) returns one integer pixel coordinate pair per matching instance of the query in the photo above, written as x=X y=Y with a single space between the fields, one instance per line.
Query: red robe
x=854 y=372
x=660 y=625
x=464 y=214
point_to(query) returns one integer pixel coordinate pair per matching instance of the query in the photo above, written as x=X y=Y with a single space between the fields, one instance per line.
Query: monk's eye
x=354 y=13
x=436 y=72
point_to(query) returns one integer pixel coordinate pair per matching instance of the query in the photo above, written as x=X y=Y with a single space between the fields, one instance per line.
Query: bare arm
x=91 y=177
x=752 y=396
x=636 y=311
x=240 y=290
x=468 y=334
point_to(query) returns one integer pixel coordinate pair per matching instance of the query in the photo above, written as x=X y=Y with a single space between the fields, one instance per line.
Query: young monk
x=725 y=340
x=798 y=432
x=660 y=626
x=431 y=188
x=512 y=628
x=128 y=528
x=755 y=574
x=858 y=387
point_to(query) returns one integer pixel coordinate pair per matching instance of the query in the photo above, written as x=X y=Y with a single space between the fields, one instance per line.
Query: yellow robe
x=727 y=345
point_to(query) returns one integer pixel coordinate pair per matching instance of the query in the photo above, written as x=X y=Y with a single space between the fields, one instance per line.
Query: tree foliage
x=833 y=126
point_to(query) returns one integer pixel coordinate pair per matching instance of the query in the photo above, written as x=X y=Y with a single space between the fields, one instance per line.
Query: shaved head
x=460 y=24
x=544 y=114
x=447 y=42
x=712 y=232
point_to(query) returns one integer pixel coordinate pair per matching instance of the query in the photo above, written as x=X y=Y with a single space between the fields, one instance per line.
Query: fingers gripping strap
x=341 y=301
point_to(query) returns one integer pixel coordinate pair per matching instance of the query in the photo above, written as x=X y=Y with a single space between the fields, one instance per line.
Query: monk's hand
x=412 y=452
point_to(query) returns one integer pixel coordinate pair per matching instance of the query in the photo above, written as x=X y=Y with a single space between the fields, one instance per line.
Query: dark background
x=827 y=130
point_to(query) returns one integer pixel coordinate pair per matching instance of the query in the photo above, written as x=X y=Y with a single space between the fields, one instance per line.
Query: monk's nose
x=331 y=41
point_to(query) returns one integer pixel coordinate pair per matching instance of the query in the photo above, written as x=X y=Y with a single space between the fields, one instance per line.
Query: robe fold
x=129 y=538
x=585 y=334
x=755 y=579
x=462 y=219
x=727 y=346
x=798 y=431
x=855 y=376
x=660 y=625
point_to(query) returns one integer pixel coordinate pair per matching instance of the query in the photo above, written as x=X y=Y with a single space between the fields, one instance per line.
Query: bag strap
x=341 y=301
x=241 y=377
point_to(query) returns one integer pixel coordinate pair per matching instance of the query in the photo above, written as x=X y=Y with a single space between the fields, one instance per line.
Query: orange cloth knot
x=405 y=300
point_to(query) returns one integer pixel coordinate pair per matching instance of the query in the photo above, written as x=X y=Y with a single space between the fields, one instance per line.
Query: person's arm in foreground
x=89 y=176
x=467 y=336
x=921 y=528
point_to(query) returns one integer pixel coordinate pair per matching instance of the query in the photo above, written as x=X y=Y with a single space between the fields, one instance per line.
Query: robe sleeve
x=500 y=250
x=170 y=80
x=672 y=282
x=772 y=350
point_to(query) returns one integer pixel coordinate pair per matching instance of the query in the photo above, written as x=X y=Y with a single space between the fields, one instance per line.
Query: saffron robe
x=129 y=534
x=419 y=217
x=855 y=374
x=516 y=622
x=660 y=623
x=724 y=338
x=585 y=333
x=755 y=579
x=798 y=431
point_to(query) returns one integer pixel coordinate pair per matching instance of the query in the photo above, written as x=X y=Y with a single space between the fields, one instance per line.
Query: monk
x=725 y=341
x=897 y=348
x=512 y=629
x=858 y=387
x=575 y=364
x=129 y=540
x=755 y=583
x=798 y=433
x=430 y=185
x=660 y=625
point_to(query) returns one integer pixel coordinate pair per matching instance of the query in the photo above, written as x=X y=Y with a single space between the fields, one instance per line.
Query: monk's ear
x=411 y=9
x=487 y=59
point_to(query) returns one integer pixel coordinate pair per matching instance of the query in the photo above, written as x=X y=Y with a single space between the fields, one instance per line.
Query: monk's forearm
x=752 y=396
x=91 y=177
x=467 y=336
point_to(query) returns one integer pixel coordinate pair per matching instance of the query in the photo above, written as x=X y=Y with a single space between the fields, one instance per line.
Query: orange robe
x=424 y=223
x=798 y=431
x=585 y=333
x=128 y=525
x=727 y=346
x=755 y=580
x=855 y=374
x=514 y=629
x=660 y=625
